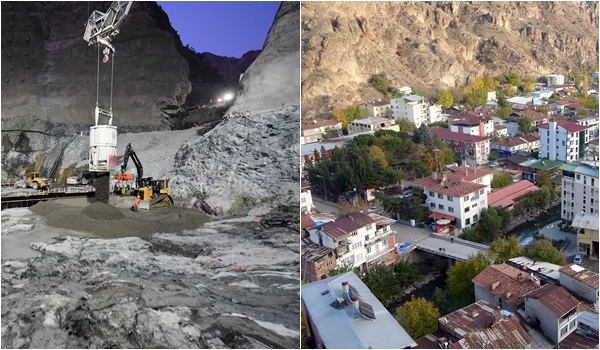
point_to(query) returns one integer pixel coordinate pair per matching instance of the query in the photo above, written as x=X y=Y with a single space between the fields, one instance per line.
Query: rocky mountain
x=432 y=46
x=230 y=68
x=49 y=71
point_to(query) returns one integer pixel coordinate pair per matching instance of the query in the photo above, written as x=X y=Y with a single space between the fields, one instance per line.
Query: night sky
x=224 y=28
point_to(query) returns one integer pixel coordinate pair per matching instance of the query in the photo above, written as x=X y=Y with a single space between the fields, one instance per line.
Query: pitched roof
x=506 y=282
x=504 y=333
x=505 y=197
x=346 y=224
x=581 y=274
x=316 y=253
x=444 y=133
x=306 y=221
x=556 y=299
x=450 y=188
x=569 y=126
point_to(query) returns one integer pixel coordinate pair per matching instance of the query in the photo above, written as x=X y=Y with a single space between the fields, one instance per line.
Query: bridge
x=455 y=249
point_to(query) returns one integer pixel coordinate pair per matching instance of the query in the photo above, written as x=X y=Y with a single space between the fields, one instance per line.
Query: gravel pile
x=102 y=211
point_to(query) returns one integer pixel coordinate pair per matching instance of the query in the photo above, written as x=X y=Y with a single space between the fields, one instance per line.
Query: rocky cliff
x=436 y=45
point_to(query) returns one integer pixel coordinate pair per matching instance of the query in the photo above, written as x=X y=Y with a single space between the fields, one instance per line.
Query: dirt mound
x=107 y=221
x=102 y=211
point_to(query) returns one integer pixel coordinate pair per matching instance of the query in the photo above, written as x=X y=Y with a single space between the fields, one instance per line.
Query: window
x=480 y=191
x=475 y=218
x=450 y=199
x=319 y=267
x=369 y=228
x=368 y=250
x=468 y=221
x=384 y=243
x=431 y=194
x=578 y=177
x=474 y=205
x=356 y=245
x=366 y=237
x=450 y=209
x=441 y=207
x=466 y=197
x=440 y=196
x=467 y=209
x=432 y=205
x=329 y=263
x=564 y=331
x=353 y=233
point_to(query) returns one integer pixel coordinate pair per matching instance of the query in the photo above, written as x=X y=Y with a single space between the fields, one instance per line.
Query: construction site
x=131 y=233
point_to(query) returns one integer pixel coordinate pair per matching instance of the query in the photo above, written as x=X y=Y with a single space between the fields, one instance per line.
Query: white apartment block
x=471 y=125
x=562 y=140
x=556 y=79
x=376 y=109
x=434 y=114
x=411 y=107
x=580 y=192
x=306 y=202
x=371 y=124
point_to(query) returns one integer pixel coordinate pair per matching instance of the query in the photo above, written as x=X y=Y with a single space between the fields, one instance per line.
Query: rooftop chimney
x=475 y=313
x=444 y=177
x=495 y=285
x=345 y=287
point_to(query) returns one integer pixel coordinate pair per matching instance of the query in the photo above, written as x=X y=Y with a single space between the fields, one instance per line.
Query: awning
x=443 y=222
x=435 y=215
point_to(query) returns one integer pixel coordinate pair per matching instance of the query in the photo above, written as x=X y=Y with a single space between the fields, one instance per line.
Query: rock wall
x=432 y=46
x=252 y=157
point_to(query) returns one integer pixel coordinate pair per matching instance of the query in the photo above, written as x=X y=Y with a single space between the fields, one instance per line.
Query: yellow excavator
x=155 y=191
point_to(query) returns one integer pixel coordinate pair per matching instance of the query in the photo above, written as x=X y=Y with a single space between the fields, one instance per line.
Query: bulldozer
x=155 y=191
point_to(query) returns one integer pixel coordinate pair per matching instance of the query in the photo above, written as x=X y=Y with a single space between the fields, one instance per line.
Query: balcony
x=379 y=236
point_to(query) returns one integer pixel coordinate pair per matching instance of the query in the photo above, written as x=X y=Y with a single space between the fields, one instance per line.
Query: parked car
x=577 y=259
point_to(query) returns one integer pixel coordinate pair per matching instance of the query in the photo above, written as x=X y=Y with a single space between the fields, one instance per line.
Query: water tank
x=412 y=222
x=103 y=148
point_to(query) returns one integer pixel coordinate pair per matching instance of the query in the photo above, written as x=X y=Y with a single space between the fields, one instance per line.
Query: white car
x=578 y=259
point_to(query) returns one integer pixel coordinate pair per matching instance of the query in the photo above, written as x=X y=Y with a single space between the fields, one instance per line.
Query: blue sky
x=224 y=28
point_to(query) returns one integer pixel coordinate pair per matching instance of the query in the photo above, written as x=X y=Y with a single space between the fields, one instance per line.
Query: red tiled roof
x=466 y=173
x=503 y=281
x=512 y=142
x=505 y=197
x=569 y=126
x=585 y=276
x=447 y=134
x=320 y=123
x=531 y=137
x=450 y=188
x=556 y=299
x=469 y=120
x=346 y=224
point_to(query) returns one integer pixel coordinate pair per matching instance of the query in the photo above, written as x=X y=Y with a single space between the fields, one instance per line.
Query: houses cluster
x=522 y=304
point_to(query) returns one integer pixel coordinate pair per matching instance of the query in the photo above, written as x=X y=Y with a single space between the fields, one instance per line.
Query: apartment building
x=580 y=191
x=474 y=150
x=371 y=124
x=562 y=140
x=586 y=226
x=411 y=107
x=472 y=125
x=556 y=79
x=377 y=109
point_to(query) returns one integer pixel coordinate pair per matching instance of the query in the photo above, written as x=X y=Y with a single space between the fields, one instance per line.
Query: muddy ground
x=101 y=276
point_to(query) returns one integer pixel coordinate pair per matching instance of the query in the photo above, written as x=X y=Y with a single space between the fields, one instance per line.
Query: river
x=525 y=231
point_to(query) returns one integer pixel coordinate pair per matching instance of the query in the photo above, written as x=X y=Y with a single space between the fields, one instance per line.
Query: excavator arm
x=129 y=152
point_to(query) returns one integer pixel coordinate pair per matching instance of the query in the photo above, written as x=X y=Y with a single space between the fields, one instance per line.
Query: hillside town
x=435 y=224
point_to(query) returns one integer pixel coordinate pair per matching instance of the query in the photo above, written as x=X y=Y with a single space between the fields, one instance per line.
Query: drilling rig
x=100 y=30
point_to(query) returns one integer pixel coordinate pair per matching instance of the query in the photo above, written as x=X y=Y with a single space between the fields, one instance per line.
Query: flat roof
x=581 y=274
x=369 y=121
x=310 y=148
x=588 y=221
x=345 y=328
x=519 y=100
x=413 y=97
x=586 y=170
x=544 y=164
x=544 y=268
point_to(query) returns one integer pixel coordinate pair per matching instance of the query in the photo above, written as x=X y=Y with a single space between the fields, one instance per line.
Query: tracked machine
x=155 y=191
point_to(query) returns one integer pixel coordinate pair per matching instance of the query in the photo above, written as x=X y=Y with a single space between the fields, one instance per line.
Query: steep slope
x=230 y=68
x=251 y=158
x=435 y=45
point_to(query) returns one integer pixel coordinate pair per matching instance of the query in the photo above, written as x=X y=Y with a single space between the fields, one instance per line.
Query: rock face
x=432 y=46
x=225 y=285
x=49 y=75
x=230 y=68
x=251 y=157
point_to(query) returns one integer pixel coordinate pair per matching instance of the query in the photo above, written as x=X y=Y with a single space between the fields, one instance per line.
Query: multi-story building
x=591 y=122
x=376 y=109
x=411 y=107
x=359 y=240
x=315 y=131
x=316 y=261
x=580 y=191
x=371 y=124
x=562 y=140
x=306 y=202
x=586 y=226
x=434 y=114
x=509 y=147
x=555 y=309
x=474 y=150
x=472 y=125
x=580 y=281
x=457 y=195
x=556 y=79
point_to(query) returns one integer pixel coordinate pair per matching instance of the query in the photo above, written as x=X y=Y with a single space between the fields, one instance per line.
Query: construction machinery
x=155 y=191
x=34 y=181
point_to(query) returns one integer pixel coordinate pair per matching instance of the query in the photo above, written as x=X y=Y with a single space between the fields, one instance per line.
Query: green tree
x=542 y=178
x=543 y=250
x=405 y=272
x=528 y=86
x=418 y=317
x=445 y=99
x=382 y=282
x=526 y=125
x=381 y=83
x=504 y=249
x=503 y=112
x=490 y=224
x=460 y=286
x=423 y=135
x=493 y=156
x=441 y=300
x=471 y=234
x=440 y=124
x=513 y=79
x=339 y=270
x=501 y=180
x=405 y=125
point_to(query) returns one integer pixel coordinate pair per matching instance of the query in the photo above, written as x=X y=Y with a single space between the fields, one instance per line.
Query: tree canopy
x=423 y=135
x=501 y=180
x=543 y=250
x=418 y=317
x=526 y=125
x=445 y=99
x=460 y=286
x=503 y=249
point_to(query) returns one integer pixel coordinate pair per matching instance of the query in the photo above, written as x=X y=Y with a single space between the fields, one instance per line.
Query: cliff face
x=49 y=71
x=431 y=46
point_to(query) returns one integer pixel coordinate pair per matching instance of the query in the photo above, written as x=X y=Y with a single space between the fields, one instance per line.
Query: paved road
x=458 y=250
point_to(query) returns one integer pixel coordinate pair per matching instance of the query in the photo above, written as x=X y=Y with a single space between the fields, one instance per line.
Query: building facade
x=434 y=114
x=411 y=107
x=586 y=226
x=377 y=109
x=371 y=124
x=313 y=132
x=579 y=192
x=556 y=79
x=471 y=125
x=474 y=150
x=562 y=140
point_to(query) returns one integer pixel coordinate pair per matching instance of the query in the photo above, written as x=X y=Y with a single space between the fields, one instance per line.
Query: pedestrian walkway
x=453 y=248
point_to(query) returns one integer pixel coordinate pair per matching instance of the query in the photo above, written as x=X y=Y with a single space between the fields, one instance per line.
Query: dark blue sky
x=224 y=28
